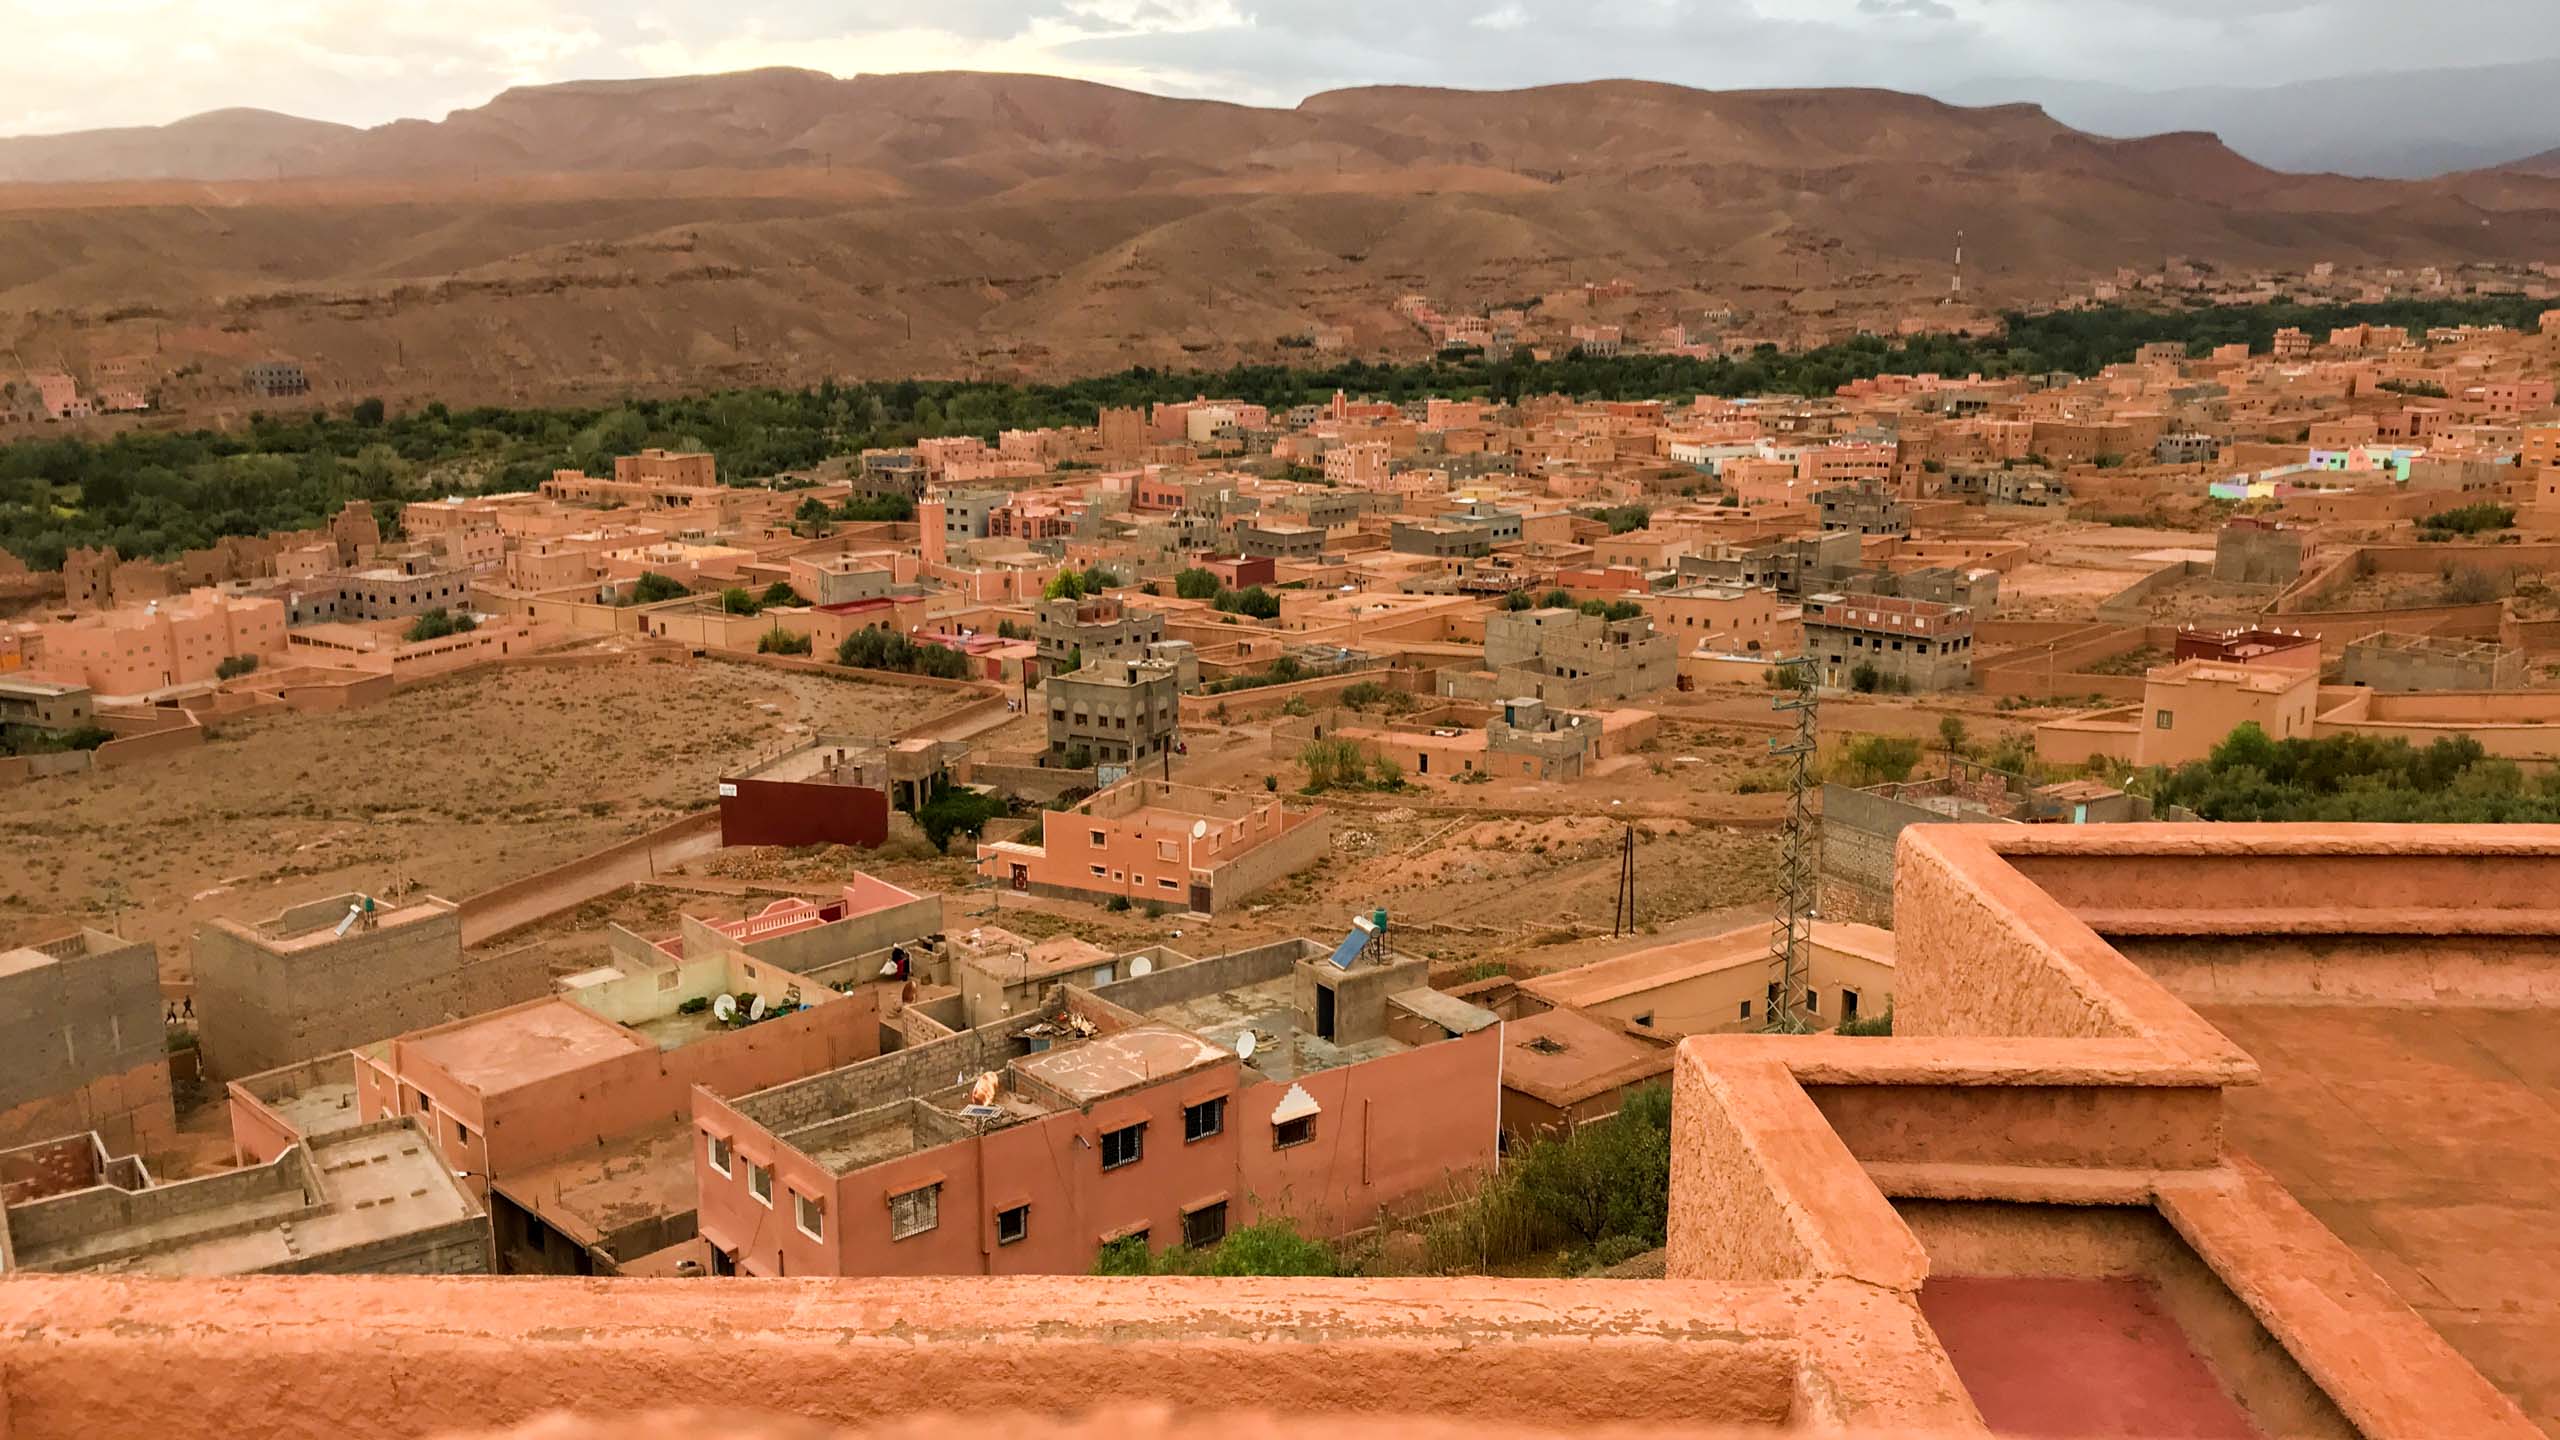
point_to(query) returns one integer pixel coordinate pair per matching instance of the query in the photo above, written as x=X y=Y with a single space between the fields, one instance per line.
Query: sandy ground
x=455 y=786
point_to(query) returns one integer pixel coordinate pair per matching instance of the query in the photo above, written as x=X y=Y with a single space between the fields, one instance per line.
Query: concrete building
x=1278 y=540
x=1566 y=658
x=1860 y=827
x=1116 y=1112
x=1093 y=631
x=1523 y=739
x=1114 y=712
x=567 y=1112
x=275 y=380
x=1722 y=619
x=2248 y=551
x=82 y=1044
x=369 y=1199
x=1446 y=541
x=293 y=987
x=1166 y=847
x=2187 y=709
x=1927 y=646
x=2395 y=663
x=45 y=704
x=1865 y=508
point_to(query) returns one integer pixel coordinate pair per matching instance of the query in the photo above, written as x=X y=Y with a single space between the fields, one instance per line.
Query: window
x=2164 y=719
x=1205 y=1119
x=1123 y=1147
x=1645 y=1019
x=809 y=1215
x=1098 y=841
x=1013 y=1224
x=1205 y=1226
x=1812 y=1001
x=461 y=1133
x=915 y=1212
x=760 y=1183
x=1745 y=1013
x=1285 y=1133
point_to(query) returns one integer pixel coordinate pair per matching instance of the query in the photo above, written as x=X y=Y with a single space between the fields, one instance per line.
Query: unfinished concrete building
x=2396 y=664
x=1566 y=658
x=337 y=973
x=1862 y=508
x=369 y=1199
x=1860 y=826
x=1073 y=632
x=1911 y=644
x=2260 y=552
x=82 y=1044
x=1113 y=712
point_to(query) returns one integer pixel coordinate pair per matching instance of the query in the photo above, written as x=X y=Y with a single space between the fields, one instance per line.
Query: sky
x=123 y=62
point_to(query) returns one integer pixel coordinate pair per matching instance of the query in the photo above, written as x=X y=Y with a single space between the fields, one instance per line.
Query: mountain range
x=781 y=225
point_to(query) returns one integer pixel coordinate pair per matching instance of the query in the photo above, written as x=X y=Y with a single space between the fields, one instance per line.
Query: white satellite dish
x=888 y=968
x=1142 y=966
x=1199 y=828
x=1244 y=1046
x=726 y=1008
x=755 y=1008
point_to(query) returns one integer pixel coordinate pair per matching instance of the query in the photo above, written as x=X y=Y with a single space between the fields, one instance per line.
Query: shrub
x=780 y=593
x=956 y=810
x=1519 y=600
x=1607 y=1184
x=1118 y=902
x=235 y=667
x=1869 y=1024
x=736 y=601
x=653 y=587
x=2469 y=585
x=438 y=623
x=1332 y=762
x=1196 y=584
x=2470 y=520
x=1271 y=784
x=1556 y=600
x=778 y=641
x=1273 y=1247
x=1877 y=760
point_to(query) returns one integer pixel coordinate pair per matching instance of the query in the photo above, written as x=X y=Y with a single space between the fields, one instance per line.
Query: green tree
x=736 y=601
x=1196 y=584
x=438 y=623
x=653 y=587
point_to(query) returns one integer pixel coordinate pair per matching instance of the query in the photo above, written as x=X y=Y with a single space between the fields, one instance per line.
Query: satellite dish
x=1244 y=1046
x=1142 y=966
x=755 y=1008
x=1199 y=828
x=888 y=968
x=726 y=1008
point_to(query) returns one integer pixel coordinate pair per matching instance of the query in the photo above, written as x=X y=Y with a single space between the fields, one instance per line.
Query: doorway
x=1324 y=1012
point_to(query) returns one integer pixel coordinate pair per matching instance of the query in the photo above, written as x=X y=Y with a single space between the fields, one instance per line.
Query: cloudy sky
x=111 y=62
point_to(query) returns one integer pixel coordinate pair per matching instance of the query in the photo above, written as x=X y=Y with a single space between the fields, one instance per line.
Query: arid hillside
x=594 y=238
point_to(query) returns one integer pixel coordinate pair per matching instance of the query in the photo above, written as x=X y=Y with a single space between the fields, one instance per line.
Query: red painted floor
x=2072 y=1359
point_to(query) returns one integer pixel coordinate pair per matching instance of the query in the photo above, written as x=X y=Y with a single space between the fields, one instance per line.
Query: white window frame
x=721 y=1156
x=760 y=1183
x=804 y=1208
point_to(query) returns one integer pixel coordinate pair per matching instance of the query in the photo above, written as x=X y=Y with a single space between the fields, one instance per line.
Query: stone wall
x=259 y=1008
x=82 y=1039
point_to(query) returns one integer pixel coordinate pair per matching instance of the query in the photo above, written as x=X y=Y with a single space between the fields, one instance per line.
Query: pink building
x=1180 y=847
x=139 y=650
x=1165 y=1105
x=569 y=1113
x=1363 y=464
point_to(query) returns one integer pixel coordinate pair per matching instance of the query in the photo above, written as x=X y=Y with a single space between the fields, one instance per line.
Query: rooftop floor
x=2422 y=1138
x=508 y=1048
x=321 y=1109
x=1282 y=1051
x=2078 y=1359
x=594 y=1194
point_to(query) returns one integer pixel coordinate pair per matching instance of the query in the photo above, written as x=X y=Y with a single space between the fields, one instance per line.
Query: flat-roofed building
x=1916 y=643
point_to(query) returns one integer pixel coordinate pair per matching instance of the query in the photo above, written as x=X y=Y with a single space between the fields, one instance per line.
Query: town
x=1788 y=848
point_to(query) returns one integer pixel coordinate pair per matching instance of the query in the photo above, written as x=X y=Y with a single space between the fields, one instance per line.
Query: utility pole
x=1625 y=921
x=1791 y=936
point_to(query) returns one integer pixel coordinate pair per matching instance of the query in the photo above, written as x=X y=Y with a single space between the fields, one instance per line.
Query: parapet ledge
x=1978 y=1060
x=2390 y=1372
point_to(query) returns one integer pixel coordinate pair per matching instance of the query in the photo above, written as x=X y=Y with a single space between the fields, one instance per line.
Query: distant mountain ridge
x=602 y=238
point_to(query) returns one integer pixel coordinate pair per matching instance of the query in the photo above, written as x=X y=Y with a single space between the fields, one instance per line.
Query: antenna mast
x=1791 y=937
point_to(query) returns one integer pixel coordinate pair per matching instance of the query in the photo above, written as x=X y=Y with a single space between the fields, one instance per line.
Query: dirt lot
x=455 y=786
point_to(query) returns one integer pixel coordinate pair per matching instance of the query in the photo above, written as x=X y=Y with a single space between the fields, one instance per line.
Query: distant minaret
x=1956 y=286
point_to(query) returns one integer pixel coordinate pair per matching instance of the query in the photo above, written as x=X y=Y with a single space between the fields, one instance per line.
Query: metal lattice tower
x=1791 y=936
